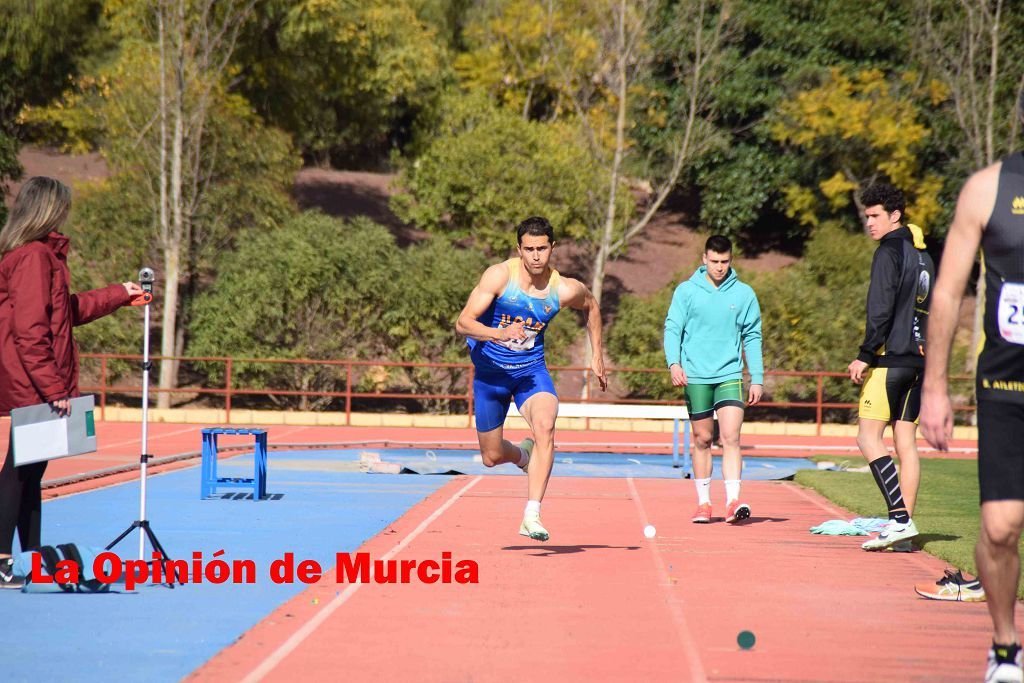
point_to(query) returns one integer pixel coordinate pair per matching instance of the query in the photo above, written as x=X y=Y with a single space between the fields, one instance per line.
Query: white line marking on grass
x=689 y=648
x=296 y=639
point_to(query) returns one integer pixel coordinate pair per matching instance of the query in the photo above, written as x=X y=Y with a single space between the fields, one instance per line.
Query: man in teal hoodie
x=715 y=320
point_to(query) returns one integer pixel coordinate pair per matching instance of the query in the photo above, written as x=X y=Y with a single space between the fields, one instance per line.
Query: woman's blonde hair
x=42 y=206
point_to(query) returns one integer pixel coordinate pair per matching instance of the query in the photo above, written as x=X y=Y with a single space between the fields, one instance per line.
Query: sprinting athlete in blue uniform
x=504 y=321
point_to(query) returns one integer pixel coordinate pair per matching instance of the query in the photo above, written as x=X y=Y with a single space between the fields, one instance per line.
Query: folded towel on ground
x=861 y=526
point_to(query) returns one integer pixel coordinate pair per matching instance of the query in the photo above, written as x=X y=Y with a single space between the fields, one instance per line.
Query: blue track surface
x=159 y=634
x=322 y=506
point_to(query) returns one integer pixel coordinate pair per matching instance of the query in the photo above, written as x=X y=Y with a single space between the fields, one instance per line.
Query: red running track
x=601 y=602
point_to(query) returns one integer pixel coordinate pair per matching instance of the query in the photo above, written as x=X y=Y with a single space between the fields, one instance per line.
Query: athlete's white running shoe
x=893 y=533
x=531 y=527
x=1004 y=667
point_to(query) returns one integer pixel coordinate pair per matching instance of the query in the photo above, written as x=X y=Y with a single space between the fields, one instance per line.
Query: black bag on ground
x=49 y=557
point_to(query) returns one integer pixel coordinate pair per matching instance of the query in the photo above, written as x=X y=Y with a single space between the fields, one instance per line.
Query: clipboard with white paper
x=39 y=433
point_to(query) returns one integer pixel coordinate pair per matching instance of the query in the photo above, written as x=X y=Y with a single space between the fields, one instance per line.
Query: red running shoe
x=703 y=514
x=737 y=512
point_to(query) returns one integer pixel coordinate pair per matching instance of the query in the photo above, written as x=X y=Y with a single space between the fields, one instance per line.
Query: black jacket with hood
x=898 y=300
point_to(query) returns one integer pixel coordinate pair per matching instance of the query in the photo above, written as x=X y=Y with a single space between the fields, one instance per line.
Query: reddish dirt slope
x=68 y=168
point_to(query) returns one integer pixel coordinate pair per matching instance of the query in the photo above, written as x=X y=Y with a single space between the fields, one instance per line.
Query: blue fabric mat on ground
x=444 y=461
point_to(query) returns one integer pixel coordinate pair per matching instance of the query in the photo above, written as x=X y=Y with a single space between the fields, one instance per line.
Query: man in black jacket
x=890 y=364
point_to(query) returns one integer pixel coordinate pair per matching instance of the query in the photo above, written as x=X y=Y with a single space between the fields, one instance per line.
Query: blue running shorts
x=495 y=387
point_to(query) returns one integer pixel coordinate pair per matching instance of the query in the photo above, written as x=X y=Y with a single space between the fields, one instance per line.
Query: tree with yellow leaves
x=856 y=129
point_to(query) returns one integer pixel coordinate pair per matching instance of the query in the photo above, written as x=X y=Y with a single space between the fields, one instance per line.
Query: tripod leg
x=124 y=533
x=153 y=541
x=156 y=544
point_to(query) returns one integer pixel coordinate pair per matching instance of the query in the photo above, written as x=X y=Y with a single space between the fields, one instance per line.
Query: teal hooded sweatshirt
x=709 y=328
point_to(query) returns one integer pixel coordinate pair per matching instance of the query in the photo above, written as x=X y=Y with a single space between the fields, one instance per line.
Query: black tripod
x=142 y=524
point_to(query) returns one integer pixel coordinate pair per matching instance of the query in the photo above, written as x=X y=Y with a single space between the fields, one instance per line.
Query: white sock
x=524 y=457
x=532 y=507
x=703 y=491
x=732 y=490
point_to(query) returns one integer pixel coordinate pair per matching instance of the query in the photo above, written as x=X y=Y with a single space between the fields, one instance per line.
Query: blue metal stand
x=211 y=482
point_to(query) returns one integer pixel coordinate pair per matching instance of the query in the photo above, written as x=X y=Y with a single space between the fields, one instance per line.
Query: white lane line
x=286 y=648
x=689 y=648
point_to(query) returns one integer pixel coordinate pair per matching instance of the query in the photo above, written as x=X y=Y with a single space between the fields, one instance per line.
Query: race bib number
x=520 y=344
x=1011 y=312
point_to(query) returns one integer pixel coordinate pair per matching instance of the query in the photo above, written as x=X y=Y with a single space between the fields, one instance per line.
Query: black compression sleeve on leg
x=884 y=470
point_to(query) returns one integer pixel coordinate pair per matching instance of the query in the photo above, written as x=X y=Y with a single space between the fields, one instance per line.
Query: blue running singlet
x=513 y=306
x=512 y=369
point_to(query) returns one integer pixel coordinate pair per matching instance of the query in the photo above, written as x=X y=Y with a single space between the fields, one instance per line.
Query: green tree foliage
x=10 y=168
x=115 y=111
x=858 y=130
x=812 y=319
x=311 y=289
x=488 y=168
x=110 y=242
x=973 y=47
x=738 y=186
x=776 y=48
x=41 y=43
x=244 y=184
x=633 y=82
x=635 y=340
x=529 y=55
x=447 y=17
x=813 y=311
x=345 y=78
x=324 y=289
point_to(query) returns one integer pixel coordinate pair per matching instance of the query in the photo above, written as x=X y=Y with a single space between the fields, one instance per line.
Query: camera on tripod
x=146 y=278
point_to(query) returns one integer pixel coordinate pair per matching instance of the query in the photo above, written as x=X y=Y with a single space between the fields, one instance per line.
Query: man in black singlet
x=989 y=213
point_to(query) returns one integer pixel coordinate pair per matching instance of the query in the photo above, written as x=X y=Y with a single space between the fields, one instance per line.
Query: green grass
x=947 y=511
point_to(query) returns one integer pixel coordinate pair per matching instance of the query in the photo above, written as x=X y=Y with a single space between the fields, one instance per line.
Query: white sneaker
x=1003 y=670
x=893 y=533
x=531 y=527
x=8 y=579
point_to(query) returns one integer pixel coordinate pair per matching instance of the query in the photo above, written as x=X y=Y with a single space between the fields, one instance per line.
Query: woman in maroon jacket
x=38 y=357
